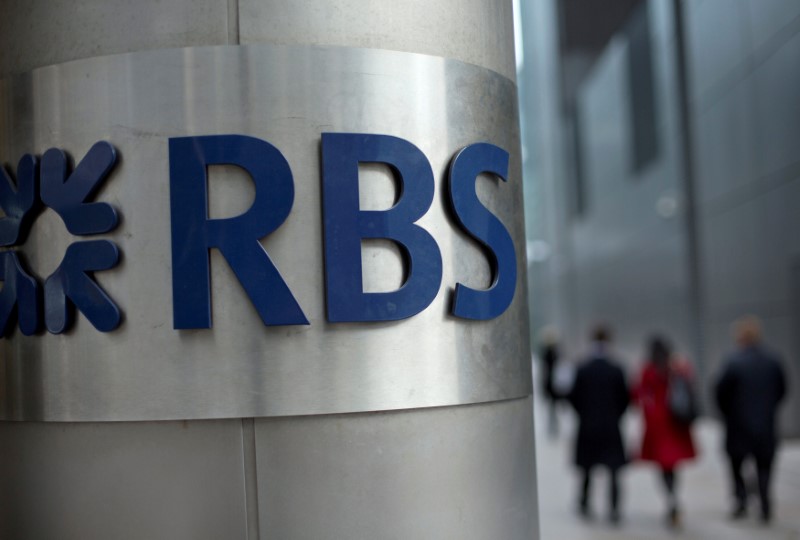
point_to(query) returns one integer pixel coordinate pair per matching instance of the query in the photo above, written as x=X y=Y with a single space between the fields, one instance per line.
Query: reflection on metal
x=666 y=206
x=287 y=96
x=537 y=251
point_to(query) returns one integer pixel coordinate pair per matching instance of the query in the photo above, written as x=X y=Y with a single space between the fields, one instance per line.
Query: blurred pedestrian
x=667 y=436
x=600 y=396
x=750 y=387
x=549 y=358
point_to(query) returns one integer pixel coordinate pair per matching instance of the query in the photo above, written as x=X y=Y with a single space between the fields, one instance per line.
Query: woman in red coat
x=667 y=440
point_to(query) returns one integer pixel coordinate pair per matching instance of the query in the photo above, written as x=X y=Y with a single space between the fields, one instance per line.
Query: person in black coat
x=600 y=396
x=750 y=388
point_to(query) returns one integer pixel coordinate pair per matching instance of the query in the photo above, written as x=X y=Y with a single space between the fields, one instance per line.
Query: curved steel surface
x=464 y=472
x=287 y=95
x=37 y=33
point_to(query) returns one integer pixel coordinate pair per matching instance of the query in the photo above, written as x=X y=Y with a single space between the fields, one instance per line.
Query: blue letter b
x=346 y=225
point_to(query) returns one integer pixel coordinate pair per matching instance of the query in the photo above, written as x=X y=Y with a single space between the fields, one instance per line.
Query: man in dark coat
x=749 y=389
x=600 y=397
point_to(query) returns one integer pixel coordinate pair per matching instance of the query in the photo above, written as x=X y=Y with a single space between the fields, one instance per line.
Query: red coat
x=666 y=441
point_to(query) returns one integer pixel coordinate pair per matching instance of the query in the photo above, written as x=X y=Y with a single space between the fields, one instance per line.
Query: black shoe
x=614 y=518
x=739 y=512
x=584 y=512
x=766 y=516
x=674 y=518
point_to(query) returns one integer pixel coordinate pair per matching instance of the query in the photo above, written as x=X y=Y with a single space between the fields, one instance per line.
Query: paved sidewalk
x=703 y=490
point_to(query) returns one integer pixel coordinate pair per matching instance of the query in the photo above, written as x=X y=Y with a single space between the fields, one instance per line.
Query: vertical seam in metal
x=250 y=478
x=233 y=22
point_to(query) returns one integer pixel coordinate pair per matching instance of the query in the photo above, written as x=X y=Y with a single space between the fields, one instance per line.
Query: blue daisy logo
x=49 y=183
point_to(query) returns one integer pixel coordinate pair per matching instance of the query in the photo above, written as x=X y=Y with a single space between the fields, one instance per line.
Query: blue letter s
x=484 y=226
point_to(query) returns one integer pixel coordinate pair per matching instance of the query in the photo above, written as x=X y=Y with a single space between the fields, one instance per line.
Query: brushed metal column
x=455 y=459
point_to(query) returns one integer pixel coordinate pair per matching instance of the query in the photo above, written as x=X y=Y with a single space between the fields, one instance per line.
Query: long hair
x=659 y=351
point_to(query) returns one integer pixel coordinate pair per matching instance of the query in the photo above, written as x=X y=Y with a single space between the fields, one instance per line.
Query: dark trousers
x=670 y=480
x=763 y=473
x=613 y=489
x=552 y=417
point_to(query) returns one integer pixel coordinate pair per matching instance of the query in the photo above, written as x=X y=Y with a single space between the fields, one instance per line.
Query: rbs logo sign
x=345 y=226
x=69 y=194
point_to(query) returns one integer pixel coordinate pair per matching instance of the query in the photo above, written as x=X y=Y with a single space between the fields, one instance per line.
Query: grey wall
x=630 y=259
x=620 y=261
x=745 y=103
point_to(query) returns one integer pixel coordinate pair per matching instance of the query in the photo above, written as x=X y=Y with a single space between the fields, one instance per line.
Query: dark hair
x=659 y=350
x=601 y=333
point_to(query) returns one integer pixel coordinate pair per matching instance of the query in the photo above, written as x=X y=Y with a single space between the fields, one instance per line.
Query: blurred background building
x=661 y=148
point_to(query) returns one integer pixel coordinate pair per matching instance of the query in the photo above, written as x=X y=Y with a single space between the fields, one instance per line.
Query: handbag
x=681 y=399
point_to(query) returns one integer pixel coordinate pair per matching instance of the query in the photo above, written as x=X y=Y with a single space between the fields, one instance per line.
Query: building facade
x=662 y=144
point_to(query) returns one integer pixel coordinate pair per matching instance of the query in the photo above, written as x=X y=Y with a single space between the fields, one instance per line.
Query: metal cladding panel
x=122 y=480
x=473 y=31
x=462 y=472
x=36 y=33
x=453 y=472
x=288 y=96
